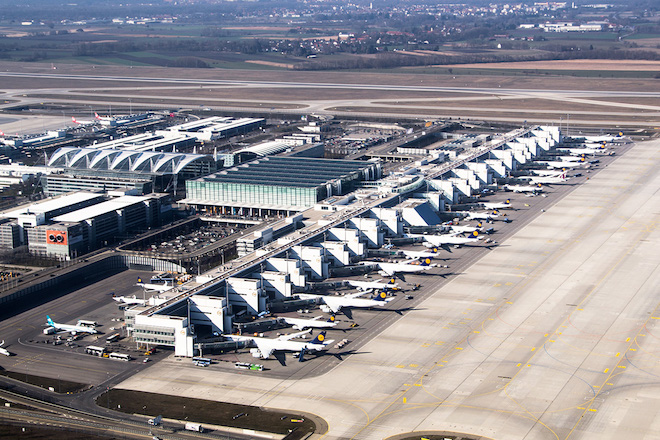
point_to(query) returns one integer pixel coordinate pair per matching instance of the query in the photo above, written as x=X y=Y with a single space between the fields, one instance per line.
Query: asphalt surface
x=549 y=335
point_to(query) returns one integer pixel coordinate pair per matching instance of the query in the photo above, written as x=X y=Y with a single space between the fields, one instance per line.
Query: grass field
x=59 y=386
x=204 y=411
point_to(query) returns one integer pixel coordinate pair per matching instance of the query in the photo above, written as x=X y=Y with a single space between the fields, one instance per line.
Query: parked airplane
x=469 y=215
x=302 y=324
x=460 y=229
x=336 y=303
x=73 y=329
x=102 y=118
x=128 y=300
x=555 y=164
x=267 y=346
x=603 y=138
x=546 y=179
x=433 y=253
x=365 y=285
x=154 y=287
x=498 y=205
x=597 y=148
x=76 y=121
x=390 y=269
x=451 y=239
x=4 y=350
x=524 y=188
x=546 y=172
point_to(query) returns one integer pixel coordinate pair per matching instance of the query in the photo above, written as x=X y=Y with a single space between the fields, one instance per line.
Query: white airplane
x=555 y=164
x=544 y=180
x=497 y=205
x=423 y=255
x=267 y=346
x=390 y=269
x=4 y=350
x=336 y=303
x=460 y=229
x=302 y=324
x=597 y=148
x=451 y=239
x=469 y=215
x=524 y=188
x=102 y=118
x=76 y=121
x=553 y=173
x=154 y=287
x=580 y=158
x=604 y=138
x=73 y=329
x=365 y=285
x=131 y=301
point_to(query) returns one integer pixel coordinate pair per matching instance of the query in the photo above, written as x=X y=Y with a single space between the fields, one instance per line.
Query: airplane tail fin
x=391 y=281
x=96 y=115
x=319 y=338
x=331 y=318
x=474 y=234
x=425 y=262
x=380 y=297
x=479 y=225
x=74 y=120
x=507 y=202
x=50 y=321
x=139 y=280
x=620 y=134
x=495 y=212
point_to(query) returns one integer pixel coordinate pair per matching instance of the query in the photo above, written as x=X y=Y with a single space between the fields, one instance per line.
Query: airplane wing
x=358 y=294
x=293 y=335
x=265 y=346
x=389 y=271
x=335 y=304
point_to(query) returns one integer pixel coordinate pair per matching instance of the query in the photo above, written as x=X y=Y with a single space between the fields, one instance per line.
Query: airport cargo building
x=277 y=185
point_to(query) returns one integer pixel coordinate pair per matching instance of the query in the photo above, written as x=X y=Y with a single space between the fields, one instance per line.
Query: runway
x=552 y=335
x=415 y=96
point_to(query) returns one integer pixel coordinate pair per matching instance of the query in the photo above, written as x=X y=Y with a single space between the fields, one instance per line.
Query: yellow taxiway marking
x=458 y=348
x=617 y=355
x=497 y=285
x=621 y=366
x=606 y=370
x=413 y=365
x=518 y=364
x=401 y=366
x=533 y=348
x=627 y=339
x=476 y=331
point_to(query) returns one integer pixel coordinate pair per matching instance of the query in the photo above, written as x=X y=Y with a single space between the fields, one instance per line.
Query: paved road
x=550 y=335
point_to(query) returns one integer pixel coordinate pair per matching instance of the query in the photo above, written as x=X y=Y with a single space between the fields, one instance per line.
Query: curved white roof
x=265 y=148
x=123 y=160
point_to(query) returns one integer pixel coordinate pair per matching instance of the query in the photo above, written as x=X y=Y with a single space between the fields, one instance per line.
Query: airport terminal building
x=277 y=185
x=79 y=222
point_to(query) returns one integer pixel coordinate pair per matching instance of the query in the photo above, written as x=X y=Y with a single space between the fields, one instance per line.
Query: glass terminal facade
x=280 y=183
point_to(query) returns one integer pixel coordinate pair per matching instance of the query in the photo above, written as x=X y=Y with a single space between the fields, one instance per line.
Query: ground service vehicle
x=194 y=427
x=119 y=357
x=95 y=351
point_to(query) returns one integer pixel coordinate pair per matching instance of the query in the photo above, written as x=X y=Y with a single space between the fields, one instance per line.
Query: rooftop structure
x=56 y=206
x=148 y=142
x=209 y=129
x=141 y=162
x=102 y=208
